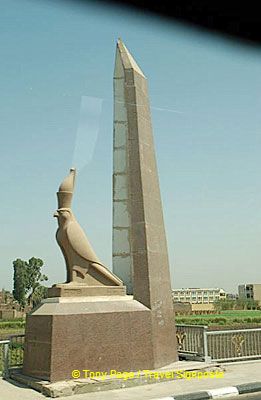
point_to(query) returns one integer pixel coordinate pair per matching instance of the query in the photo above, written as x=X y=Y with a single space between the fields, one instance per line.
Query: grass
x=229 y=317
x=241 y=313
x=229 y=314
x=4 y=334
x=12 y=322
x=11 y=327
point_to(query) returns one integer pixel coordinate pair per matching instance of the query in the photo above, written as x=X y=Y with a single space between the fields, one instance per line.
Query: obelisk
x=140 y=255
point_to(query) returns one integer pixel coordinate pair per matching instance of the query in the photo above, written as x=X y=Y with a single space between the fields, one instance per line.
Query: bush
x=256 y=320
x=12 y=324
x=16 y=345
x=247 y=320
x=218 y=320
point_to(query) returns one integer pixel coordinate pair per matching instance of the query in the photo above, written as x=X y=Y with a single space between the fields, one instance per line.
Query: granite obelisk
x=140 y=255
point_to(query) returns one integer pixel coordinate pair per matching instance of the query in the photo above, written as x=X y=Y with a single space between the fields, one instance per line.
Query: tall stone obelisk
x=140 y=255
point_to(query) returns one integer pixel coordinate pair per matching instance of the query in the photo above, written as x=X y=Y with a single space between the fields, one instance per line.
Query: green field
x=11 y=327
x=246 y=318
x=228 y=314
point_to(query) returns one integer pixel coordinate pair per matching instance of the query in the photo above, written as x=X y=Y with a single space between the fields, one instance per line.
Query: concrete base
x=175 y=371
x=100 y=333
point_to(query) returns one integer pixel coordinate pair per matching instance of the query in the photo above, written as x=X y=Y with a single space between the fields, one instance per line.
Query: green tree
x=19 y=291
x=217 y=305
x=224 y=304
x=34 y=277
x=251 y=304
x=27 y=281
x=39 y=294
x=246 y=304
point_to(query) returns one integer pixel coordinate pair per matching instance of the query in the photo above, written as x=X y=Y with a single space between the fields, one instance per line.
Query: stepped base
x=69 y=290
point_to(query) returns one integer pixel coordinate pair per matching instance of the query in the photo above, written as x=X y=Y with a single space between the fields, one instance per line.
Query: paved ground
x=256 y=396
x=235 y=374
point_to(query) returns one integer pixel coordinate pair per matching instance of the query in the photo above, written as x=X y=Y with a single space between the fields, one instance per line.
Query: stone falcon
x=82 y=264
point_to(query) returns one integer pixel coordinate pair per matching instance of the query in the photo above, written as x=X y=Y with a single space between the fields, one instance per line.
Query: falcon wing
x=79 y=242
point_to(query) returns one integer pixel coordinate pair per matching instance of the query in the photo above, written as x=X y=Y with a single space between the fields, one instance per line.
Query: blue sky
x=56 y=69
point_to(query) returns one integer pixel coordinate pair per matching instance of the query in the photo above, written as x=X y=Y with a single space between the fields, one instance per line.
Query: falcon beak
x=56 y=215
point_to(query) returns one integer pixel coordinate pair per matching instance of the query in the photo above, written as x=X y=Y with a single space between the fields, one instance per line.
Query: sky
x=56 y=111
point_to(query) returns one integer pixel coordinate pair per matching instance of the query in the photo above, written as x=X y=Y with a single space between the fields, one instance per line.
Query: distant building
x=197 y=295
x=6 y=297
x=231 y=296
x=250 y=291
x=9 y=308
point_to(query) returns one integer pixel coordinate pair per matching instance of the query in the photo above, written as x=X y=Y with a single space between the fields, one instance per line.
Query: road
x=251 y=396
x=234 y=374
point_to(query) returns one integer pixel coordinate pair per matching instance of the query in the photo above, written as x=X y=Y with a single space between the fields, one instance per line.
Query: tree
x=39 y=294
x=34 y=277
x=27 y=281
x=224 y=304
x=251 y=304
x=246 y=304
x=19 y=291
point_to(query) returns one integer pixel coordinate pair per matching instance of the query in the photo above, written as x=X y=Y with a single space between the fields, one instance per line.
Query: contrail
x=152 y=107
x=89 y=125
x=87 y=132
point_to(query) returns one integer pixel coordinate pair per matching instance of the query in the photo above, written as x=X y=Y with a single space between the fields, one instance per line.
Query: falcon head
x=64 y=215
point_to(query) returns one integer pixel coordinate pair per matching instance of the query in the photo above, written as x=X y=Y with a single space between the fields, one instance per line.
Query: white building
x=197 y=295
x=250 y=291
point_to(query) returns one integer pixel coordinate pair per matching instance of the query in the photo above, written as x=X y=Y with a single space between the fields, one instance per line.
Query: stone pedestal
x=73 y=290
x=97 y=333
